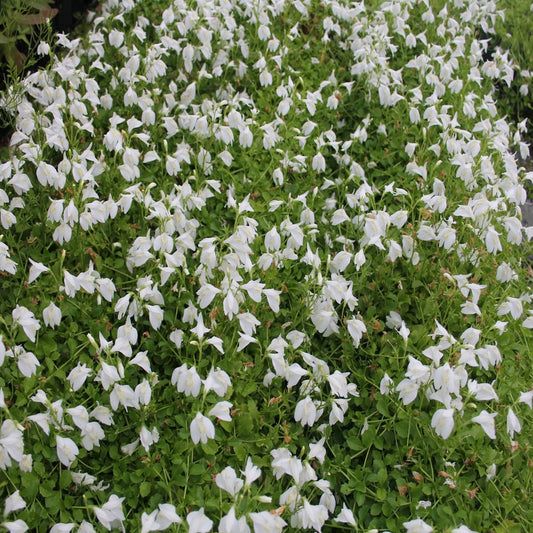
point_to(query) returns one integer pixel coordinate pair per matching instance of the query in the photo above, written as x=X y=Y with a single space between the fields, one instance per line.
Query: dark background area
x=69 y=14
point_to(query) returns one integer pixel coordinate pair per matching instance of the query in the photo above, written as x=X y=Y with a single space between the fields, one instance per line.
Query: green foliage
x=514 y=33
x=390 y=284
x=24 y=24
x=18 y=20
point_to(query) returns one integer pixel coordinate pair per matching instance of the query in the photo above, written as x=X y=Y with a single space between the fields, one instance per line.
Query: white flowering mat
x=260 y=271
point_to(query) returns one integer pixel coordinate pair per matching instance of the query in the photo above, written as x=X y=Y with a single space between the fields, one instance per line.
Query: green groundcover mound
x=261 y=270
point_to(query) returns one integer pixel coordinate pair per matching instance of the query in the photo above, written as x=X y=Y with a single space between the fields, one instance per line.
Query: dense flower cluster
x=242 y=237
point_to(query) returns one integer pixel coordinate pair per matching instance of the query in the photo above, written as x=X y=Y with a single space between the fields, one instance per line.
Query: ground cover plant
x=514 y=32
x=261 y=270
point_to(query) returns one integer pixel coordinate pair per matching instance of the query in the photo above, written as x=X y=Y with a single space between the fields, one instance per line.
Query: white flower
x=206 y=293
x=359 y=259
x=85 y=527
x=43 y=49
x=486 y=421
x=345 y=516
x=305 y=412
x=251 y=472
x=340 y=262
x=338 y=409
x=318 y=163
x=116 y=38
x=107 y=375
x=67 y=450
x=106 y=288
x=78 y=375
x=110 y=515
x=273 y=299
x=46 y=174
x=26 y=320
x=62 y=528
x=423 y=504
x=15 y=502
x=230 y=524
x=513 y=424
x=143 y=392
x=167 y=515
x=198 y=522
x=227 y=480
x=155 y=315
x=62 y=233
x=272 y=240
x=338 y=217
x=265 y=522
x=317 y=450
x=79 y=415
x=246 y=137
x=189 y=381
x=91 y=435
x=310 y=516
x=42 y=420
x=356 y=329
x=27 y=363
x=492 y=241
x=408 y=390
x=18 y=526
x=338 y=383
x=122 y=346
x=129 y=449
x=218 y=381
x=149 y=522
x=417 y=526
x=505 y=272
x=385 y=385
x=470 y=308
x=527 y=398
x=200 y=330
x=148 y=437
x=511 y=305
x=123 y=395
x=221 y=411
x=71 y=284
x=254 y=288
x=160 y=519
x=51 y=315
x=442 y=422
x=417 y=371
x=202 y=429
x=491 y=472
x=244 y=341
x=36 y=270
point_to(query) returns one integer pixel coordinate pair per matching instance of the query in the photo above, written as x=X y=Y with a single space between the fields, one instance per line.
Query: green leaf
x=375 y=510
x=53 y=503
x=360 y=499
x=145 y=488
x=354 y=443
x=4 y=39
x=382 y=475
x=30 y=485
x=240 y=452
x=65 y=480
x=383 y=407
x=346 y=489
x=210 y=447
x=381 y=494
